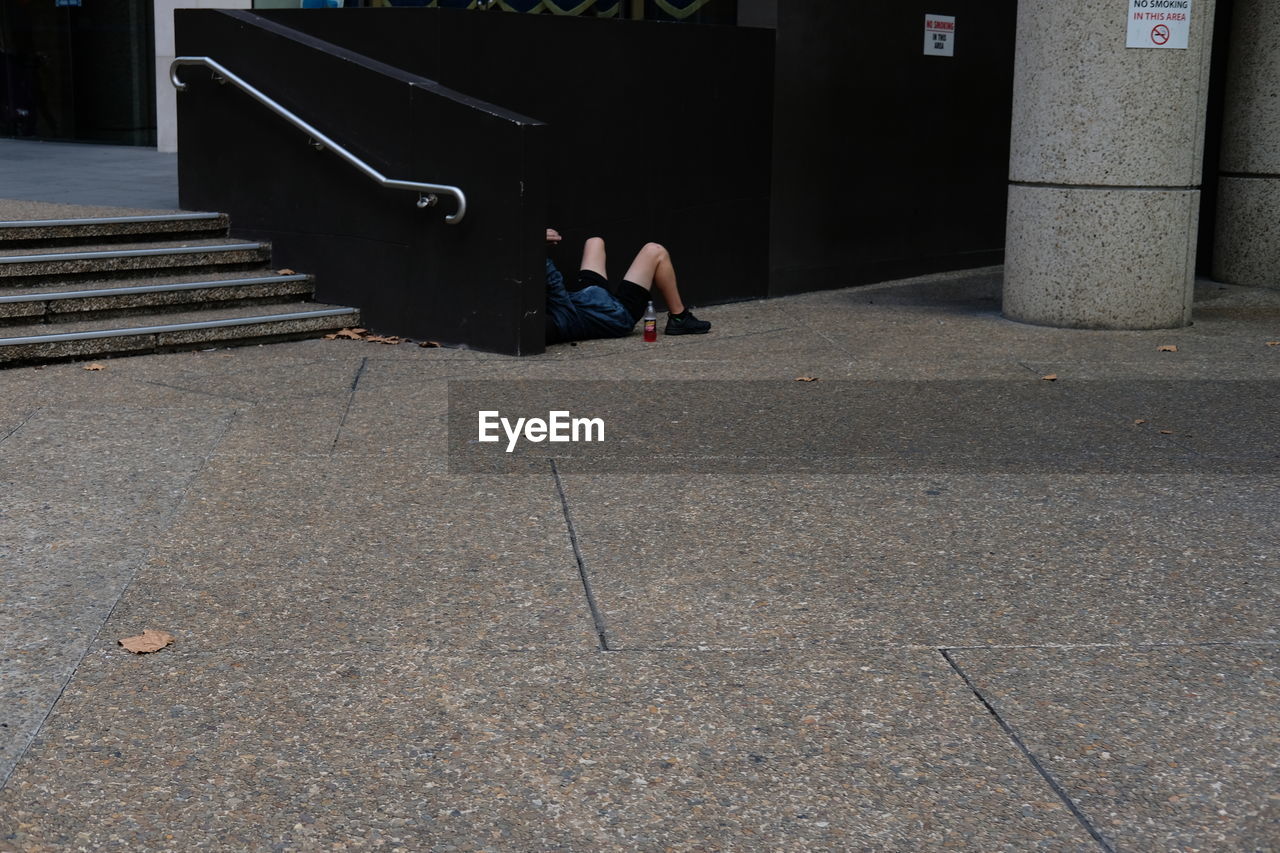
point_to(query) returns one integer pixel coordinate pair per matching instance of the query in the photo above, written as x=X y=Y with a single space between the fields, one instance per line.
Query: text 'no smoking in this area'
x=939 y=35
x=1159 y=23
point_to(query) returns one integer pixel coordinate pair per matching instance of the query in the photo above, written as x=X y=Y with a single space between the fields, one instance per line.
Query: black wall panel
x=1224 y=11
x=655 y=131
x=888 y=162
x=478 y=283
x=885 y=161
x=828 y=152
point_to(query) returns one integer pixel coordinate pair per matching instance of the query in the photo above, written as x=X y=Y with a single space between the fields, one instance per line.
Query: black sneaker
x=686 y=324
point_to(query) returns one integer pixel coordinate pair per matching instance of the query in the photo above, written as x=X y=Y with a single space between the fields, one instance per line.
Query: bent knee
x=655 y=250
x=595 y=243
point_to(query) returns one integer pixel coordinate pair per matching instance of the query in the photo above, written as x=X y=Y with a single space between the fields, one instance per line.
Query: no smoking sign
x=1159 y=23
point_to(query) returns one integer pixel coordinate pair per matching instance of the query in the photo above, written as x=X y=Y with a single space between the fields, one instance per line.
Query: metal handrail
x=427 y=193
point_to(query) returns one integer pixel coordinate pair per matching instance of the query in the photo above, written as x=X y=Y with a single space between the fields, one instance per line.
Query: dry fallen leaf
x=1166 y=432
x=349 y=334
x=286 y=271
x=1273 y=343
x=146 y=642
x=1167 y=348
x=1140 y=421
x=1052 y=377
x=95 y=366
x=428 y=344
x=806 y=379
x=363 y=335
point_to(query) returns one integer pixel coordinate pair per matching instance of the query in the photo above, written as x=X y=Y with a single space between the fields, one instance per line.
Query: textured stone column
x=1104 y=170
x=1247 y=238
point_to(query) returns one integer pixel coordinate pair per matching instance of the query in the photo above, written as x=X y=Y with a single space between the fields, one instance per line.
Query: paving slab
x=110 y=386
x=14 y=209
x=1062 y=353
x=406 y=349
x=107 y=176
x=397 y=412
x=313 y=555
x=372 y=651
x=917 y=321
x=85 y=493
x=690 y=363
x=878 y=750
x=1227 y=421
x=286 y=428
x=775 y=562
x=1161 y=749
x=1257 y=363
x=81 y=449
x=53 y=603
x=285 y=378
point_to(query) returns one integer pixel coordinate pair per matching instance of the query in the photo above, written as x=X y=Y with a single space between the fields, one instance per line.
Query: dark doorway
x=81 y=70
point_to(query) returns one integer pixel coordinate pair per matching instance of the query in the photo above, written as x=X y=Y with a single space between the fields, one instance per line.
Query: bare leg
x=652 y=268
x=593 y=257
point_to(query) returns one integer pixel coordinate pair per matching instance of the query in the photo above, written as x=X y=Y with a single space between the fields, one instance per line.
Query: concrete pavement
x=83 y=174
x=374 y=652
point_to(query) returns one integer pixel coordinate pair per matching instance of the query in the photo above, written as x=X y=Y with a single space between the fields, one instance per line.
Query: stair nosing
x=149 y=288
x=63 y=337
x=132 y=253
x=107 y=220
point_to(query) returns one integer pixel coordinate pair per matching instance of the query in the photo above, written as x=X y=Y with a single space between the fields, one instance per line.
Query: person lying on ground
x=595 y=308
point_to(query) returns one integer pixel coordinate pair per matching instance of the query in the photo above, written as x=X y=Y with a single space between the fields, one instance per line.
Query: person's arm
x=554 y=278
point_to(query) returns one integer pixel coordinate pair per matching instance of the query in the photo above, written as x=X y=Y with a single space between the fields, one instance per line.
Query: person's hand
x=553 y=236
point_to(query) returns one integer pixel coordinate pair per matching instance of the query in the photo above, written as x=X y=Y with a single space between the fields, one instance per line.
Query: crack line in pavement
x=1035 y=762
x=124 y=590
x=351 y=398
x=31 y=414
x=596 y=616
x=197 y=391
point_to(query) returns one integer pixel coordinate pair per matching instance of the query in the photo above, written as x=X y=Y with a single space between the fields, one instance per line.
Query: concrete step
x=42 y=342
x=40 y=265
x=120 y=297
x=110 y=229
x=122 y=282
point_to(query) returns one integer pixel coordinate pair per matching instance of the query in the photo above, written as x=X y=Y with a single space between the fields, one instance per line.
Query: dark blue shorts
x=593 y=311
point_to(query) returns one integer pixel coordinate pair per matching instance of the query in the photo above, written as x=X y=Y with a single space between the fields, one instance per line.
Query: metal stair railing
x=428 y=194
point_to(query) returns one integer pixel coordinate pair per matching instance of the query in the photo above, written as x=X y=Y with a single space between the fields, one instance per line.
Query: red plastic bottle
x=650 y=324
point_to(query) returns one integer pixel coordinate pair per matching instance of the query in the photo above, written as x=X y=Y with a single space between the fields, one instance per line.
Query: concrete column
x=1247 y=238
x=1105 y=169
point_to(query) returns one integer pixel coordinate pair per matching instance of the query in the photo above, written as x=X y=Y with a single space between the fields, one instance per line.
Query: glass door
x=78 y=70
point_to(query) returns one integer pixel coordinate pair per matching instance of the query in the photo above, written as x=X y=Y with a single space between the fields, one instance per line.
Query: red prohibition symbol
x=1159 y=34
